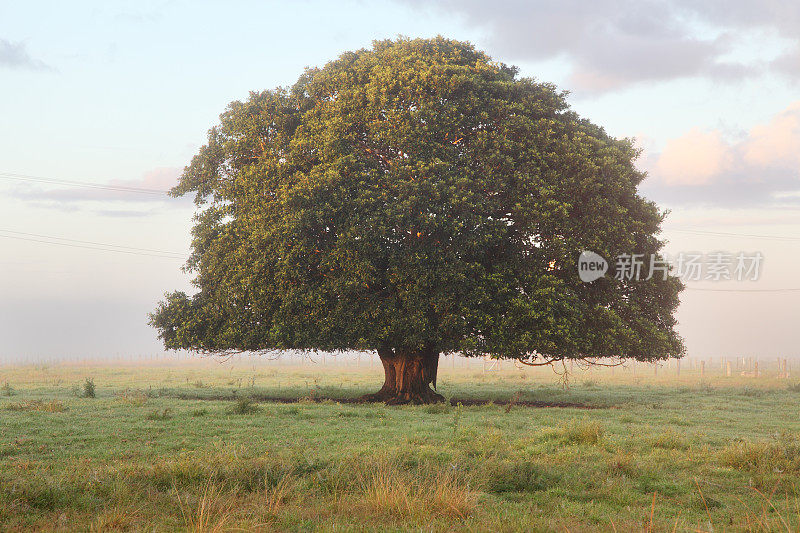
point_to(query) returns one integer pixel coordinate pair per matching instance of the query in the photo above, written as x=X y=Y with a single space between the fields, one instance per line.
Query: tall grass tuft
x=582 y=432
x=517 y=476
x=115 y=518
x=782 y=456
x=457 y=418
x=276 y=495
x=209 y=514
x=244 y=406
x=390 y=491
x=51 y=406
x=670 y=440
x=165 y=414
x=88 y=388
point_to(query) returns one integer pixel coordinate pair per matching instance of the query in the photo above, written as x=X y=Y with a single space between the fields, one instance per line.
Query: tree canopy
x=420 y=197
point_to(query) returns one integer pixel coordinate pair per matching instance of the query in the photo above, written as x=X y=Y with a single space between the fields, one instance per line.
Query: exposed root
x=416 y=398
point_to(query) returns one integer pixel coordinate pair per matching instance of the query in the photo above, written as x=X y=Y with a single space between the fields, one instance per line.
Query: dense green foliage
x=417 y=194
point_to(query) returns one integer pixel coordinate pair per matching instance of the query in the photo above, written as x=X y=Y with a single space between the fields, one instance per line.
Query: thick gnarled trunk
x=409 y=375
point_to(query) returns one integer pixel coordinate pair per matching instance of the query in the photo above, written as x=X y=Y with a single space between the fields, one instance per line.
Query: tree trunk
x=409 y=375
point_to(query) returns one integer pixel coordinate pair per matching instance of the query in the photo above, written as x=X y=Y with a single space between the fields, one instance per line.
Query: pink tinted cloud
x=160 y=179
x=704 y=167
x=696 y=158
x=141 y=196
x=777 y=142
x=152 y=186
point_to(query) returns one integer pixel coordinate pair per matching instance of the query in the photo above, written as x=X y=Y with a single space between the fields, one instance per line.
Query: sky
x=120 y=95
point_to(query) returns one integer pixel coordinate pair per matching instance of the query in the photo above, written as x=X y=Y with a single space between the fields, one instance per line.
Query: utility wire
x=70 y=183
x=91 y=245
x=726 y=234
x=745 y=235
x=149 y=252
x=133 y=248
x=98 y=246
x=742 y=290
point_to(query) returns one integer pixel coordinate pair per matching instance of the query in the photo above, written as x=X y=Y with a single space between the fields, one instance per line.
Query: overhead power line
x=100 y=186
x=727 y=234
x=742 y=290
x=129 y=252
x=134 y=248
x=89 y=245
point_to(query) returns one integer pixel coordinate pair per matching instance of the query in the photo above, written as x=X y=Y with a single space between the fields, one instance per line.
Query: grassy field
x=183 y=446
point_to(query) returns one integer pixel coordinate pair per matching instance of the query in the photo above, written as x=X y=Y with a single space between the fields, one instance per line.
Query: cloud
x=702 y=167
x=693 y=159
x=125 y=213
x=610 y=44
x=158 y=179
x=150 y=189
x=789 y=63
x=777 y=141
x=15 y=55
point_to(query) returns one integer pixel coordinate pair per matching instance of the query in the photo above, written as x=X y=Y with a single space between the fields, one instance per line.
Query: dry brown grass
x=132 y=397
x=50 y=406
x=387 y=490
x=276 y=496
x=669 y=440
x=582 y=432
x=116 y=518
x=621 y=464
x=209 y=513
x=781 y=456
x=768 y=515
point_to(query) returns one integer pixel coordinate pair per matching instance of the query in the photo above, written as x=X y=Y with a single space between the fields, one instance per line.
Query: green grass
x=155 y=451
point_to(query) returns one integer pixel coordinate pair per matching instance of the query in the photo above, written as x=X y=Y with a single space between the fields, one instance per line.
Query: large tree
x=417 y=198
